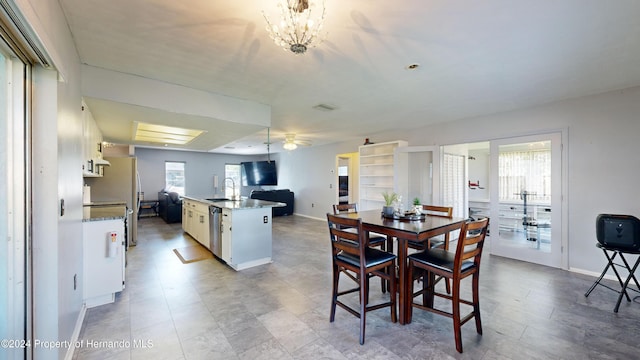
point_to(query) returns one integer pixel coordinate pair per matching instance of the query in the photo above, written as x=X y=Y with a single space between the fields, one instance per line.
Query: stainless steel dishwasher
x=214 y=230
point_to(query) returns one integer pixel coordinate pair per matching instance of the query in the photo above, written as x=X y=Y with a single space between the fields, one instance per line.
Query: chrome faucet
x=233 y=183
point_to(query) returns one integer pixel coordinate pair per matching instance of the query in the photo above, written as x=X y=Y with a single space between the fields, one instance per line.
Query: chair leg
x=604 y=272
x=425 y=284
x=365 y=294
x=393 y=288
x=383 y=282
x=334 y=295
x=456 y=314
x=624 y=287
x=476 y=302
x=364 y=289
x=410 y=292
x=431 y=290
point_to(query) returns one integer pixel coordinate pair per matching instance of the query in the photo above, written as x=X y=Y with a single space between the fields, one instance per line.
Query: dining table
x=420 y=230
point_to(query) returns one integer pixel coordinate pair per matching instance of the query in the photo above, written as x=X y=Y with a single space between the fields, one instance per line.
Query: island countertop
x=242 y=204
x=103 y=212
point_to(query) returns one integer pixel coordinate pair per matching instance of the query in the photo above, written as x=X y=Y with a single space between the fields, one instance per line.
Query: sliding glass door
x=14 y=259
x=525 y=205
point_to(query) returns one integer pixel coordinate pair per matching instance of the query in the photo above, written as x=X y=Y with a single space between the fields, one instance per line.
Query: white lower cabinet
x=104 y=261
x=195 y=221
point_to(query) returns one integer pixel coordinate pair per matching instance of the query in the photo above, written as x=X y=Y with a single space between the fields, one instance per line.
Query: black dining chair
x=349 y=251
x=375 y=240
x=456 y=266
x=618 y=235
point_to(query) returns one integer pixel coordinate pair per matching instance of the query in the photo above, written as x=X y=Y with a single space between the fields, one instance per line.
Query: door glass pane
x=524 y=186
x=420 y=179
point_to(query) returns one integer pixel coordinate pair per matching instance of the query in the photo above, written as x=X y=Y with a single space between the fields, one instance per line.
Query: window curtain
x=525 y=171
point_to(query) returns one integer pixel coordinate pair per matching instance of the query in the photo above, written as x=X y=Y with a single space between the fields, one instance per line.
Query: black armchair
x=170 y=207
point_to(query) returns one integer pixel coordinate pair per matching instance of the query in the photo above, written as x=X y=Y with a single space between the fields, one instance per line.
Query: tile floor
x=205 y=310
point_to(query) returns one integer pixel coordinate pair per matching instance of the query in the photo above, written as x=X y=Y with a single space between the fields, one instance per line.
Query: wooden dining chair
x=433 y=210
x=375 y=240
x=349 y=251
x=456 y=266
x=437 y=242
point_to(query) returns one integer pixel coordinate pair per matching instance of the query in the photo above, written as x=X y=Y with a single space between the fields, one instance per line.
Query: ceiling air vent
x=324 y=107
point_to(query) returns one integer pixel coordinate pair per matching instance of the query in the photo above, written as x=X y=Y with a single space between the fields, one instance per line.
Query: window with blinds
x=453 y=183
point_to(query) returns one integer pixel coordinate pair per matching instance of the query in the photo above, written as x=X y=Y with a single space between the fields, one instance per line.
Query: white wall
x=311 y=174
x=479 y=172
x=603 y=163
x=57 y=174
x=200 y=168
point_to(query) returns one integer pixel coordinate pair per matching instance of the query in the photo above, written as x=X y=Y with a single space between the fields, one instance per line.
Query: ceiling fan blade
x=302 y=142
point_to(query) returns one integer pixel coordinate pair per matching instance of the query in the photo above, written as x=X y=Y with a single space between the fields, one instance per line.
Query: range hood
x=102 y=162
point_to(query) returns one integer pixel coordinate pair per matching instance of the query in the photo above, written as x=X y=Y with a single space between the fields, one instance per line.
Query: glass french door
x=525 y=206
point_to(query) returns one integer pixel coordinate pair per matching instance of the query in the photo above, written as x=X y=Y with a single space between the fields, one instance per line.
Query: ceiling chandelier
x=297 y=30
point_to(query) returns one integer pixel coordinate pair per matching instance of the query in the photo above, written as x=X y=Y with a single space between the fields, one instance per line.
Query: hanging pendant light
x=298 y=29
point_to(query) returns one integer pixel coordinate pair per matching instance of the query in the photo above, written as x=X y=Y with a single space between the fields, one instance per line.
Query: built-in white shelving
x=379 y=169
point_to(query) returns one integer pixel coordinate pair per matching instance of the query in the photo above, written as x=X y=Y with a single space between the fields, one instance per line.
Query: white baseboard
x=310 y=217
x=76 y=333
x=592 y=273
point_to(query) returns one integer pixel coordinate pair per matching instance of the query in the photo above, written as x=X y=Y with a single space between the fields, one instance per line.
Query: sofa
x=170 y=207
x=283 y=196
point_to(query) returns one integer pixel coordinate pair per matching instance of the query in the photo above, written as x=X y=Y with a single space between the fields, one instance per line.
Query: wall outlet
x=313 y=205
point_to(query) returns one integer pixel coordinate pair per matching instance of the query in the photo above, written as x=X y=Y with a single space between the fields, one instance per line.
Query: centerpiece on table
x=417 y=206
x=389 y=199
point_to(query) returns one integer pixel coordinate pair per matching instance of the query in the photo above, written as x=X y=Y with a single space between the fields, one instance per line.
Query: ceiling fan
x=290 y=142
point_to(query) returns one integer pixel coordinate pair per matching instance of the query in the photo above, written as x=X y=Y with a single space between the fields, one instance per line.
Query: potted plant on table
x=417 y=205
x=389 y=199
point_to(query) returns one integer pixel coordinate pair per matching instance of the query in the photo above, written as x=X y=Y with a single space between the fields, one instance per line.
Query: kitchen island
x=237 y=232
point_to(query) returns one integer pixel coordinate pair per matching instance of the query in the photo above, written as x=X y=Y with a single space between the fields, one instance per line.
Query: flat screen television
x=259 y=173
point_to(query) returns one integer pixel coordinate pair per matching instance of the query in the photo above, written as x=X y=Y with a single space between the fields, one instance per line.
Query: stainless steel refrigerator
x=120 y=182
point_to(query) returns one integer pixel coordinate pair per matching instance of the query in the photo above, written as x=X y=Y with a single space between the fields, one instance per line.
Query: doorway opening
x=347 y=175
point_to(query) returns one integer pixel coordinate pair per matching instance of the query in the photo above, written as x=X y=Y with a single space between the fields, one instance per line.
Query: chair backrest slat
x=441 y=211
x=347 y=235
x=470 y=242
x=345 y=208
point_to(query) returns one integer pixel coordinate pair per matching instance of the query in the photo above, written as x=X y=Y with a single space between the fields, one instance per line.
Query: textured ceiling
x=476 y=57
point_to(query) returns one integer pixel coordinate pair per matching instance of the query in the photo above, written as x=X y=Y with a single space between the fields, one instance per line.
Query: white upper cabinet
x=92 y=145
